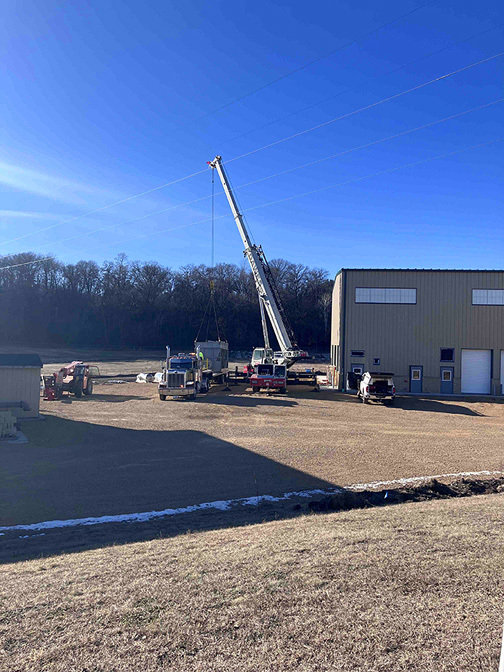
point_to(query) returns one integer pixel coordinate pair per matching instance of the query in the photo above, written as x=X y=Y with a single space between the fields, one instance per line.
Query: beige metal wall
x=21 y=384
x=404 y=335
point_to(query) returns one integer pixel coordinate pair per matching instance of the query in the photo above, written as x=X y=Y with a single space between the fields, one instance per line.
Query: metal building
x=439 y=332
x=20 y=384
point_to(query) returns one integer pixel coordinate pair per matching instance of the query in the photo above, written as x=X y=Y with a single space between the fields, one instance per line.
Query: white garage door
x=476 y=370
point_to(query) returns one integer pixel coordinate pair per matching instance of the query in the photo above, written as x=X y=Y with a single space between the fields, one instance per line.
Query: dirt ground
x=123 y=450
x=413 y=587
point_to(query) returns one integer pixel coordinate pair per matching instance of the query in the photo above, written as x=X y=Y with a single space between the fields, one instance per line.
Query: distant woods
x=126 y=303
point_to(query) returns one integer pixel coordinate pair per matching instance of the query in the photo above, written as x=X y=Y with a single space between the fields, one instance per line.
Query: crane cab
x=262 y=356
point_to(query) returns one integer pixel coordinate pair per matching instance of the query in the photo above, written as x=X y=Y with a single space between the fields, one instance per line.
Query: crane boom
x=269 y=298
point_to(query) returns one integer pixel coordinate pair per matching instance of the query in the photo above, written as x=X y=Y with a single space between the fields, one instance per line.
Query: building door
x=447 y=380
x=416 y=376
x=358 y=369
x=476 y=370
x=352 y=377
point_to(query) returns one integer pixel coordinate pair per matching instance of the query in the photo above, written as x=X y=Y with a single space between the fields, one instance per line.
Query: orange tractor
x=76 y=379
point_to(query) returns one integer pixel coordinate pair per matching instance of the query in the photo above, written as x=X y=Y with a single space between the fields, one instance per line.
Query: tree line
x=123 y=303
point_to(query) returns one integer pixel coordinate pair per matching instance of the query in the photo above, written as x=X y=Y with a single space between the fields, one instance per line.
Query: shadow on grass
x=109 y=398
x=425 y=404
x=434 y=406
x=249 y=400
x=73 y=470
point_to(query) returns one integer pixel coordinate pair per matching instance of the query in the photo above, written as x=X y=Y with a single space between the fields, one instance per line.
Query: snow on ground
x=224 y=505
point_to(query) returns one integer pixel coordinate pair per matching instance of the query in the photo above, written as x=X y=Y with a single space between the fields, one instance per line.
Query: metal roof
x=20 y=360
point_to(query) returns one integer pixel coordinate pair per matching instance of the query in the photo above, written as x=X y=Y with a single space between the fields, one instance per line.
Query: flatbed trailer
x=293 y=377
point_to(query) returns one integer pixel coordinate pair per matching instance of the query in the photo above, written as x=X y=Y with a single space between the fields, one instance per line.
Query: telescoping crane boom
x=269 y=298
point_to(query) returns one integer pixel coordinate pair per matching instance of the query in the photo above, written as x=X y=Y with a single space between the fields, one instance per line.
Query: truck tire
x=283 y=390
x=77 y=388
x=391 y=402
x=162 y=397
x=365 y=401
x=89 y=388
x=255 y=389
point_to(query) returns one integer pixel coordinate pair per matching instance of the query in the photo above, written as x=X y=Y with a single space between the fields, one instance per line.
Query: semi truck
x=186 y=375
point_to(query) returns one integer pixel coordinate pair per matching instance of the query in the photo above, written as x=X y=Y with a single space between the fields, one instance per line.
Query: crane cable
x=211 y=307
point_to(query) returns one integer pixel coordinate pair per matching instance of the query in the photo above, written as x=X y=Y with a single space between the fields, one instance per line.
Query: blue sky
x=105 y=100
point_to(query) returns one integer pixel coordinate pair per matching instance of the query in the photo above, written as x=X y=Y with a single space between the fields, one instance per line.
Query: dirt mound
x=433 y=489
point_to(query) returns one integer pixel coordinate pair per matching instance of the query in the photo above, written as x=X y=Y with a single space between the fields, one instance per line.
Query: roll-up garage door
x=476 y=371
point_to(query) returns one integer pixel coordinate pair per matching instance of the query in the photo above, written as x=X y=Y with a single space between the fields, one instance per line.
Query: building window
x=447 y=354
x=446 y=375
x=415 y=374
x=357 y=353
x=385 y=295
x=488 y=297
x=376 y=361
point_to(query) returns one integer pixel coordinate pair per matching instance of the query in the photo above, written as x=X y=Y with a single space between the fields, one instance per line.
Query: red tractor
x=76 y=379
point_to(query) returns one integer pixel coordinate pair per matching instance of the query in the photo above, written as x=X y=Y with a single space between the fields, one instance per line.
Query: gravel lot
x=122 y=450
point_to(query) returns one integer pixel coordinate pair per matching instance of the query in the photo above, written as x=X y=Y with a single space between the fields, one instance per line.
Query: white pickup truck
x=377 y=386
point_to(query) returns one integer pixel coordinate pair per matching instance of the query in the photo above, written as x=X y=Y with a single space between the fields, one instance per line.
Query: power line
x=306 y=193
x=269 y=177
x=332 y=186
x=382 y=172
x=254 y=151
x=355 y=88
x=366 y=107
x=307 y=64
x=26 y=263
x=374 y=142
x=162 y=186
x=105 y=207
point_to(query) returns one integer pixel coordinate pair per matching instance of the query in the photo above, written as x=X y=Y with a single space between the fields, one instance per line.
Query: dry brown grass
x=411 y=587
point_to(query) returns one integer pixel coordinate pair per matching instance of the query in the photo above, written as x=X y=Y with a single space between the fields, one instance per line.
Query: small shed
x=20 y=385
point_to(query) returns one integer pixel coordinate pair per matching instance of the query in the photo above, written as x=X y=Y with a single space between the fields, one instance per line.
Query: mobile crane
x=269 y=298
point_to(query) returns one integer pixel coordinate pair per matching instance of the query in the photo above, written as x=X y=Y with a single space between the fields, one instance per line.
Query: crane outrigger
x=269 y=298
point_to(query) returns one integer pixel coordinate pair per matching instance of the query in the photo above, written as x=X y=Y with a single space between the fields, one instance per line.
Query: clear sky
x=103 y=100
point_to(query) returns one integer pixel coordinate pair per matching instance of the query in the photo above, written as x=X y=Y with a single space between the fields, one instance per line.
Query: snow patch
x=225 y=505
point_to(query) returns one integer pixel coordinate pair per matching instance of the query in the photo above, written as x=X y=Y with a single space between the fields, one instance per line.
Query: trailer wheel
x=77 y=388
x=255 y=389
x=89 y=388
x=364 y=400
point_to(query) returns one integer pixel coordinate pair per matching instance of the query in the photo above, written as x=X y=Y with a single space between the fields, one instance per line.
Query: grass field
x=410 y=587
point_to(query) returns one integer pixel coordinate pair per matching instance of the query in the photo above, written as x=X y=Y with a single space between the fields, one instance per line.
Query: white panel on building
x=476 y=371
x=385 y=295
x=488 y=297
